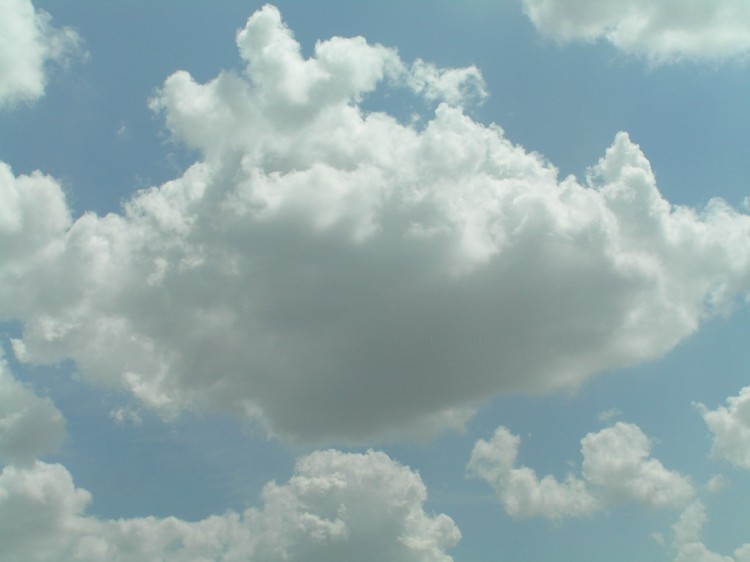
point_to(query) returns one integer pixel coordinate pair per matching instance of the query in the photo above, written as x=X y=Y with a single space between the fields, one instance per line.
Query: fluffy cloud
x=688 y=542
x=27 y=44
x=335 y=274
x=730 y=426
x=663 y=31
x=617 y=468
x=29 y=425
x=336 y=507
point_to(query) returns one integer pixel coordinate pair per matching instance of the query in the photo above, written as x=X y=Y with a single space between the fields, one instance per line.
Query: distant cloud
x=730 y=426
x=662 y=31
x=617 y=468
x=28 y=42
x=337 y=507
x=339 y=276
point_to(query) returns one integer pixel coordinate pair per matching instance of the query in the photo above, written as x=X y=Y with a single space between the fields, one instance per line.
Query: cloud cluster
x=730 y=426
x=336 y=507
x=663 y=31
x=28 y=42
x=335 y=274
x=617 y=468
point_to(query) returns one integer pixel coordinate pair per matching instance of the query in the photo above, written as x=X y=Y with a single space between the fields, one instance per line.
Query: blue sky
x=356 y=281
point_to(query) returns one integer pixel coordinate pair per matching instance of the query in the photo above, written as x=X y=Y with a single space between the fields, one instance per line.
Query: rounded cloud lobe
x=336 y=507
x=617 y=468
x=27 y=44
x=334 y=274
x=663 y=31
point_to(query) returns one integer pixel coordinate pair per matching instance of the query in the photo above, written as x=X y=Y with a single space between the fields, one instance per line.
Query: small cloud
x=717 y=483
x=126 y=415
x=608 y=415
x=28 y=44
x=617 y=468
x=658 y=538
x=730 y=426
x=123 y=131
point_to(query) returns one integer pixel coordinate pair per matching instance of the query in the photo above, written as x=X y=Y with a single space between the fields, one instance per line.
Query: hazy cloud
x=335 y=274
x=617 y=468
x=336 y=507
x=662 y=31
x=28 y=42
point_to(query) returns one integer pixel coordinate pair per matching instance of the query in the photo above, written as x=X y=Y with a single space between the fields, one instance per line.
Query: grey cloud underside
x=337 y=275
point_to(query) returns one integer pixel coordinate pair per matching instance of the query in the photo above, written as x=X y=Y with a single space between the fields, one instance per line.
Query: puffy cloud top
x=337 y=507
x=335 y=274
x=617 y=468
x=663 y=30
x=27 y=43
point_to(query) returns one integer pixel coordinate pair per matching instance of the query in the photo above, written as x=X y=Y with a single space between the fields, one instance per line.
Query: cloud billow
x=337 y=275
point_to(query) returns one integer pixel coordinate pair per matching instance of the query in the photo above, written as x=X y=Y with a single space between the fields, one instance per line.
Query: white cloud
x=663 y=31
x=27 y=44
x=336 y=507
x=730 y=426
x=688 y=542
x=29 y=425
x=617 y=469
x=338 y=275
x=617 y=460
x=519 y=489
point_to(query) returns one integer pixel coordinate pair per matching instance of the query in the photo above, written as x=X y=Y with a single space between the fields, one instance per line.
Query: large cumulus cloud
x=28 y=43
x=333 y=273
x=662 y=31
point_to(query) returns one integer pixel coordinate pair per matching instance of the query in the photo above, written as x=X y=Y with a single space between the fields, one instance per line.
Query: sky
x=405 y=282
